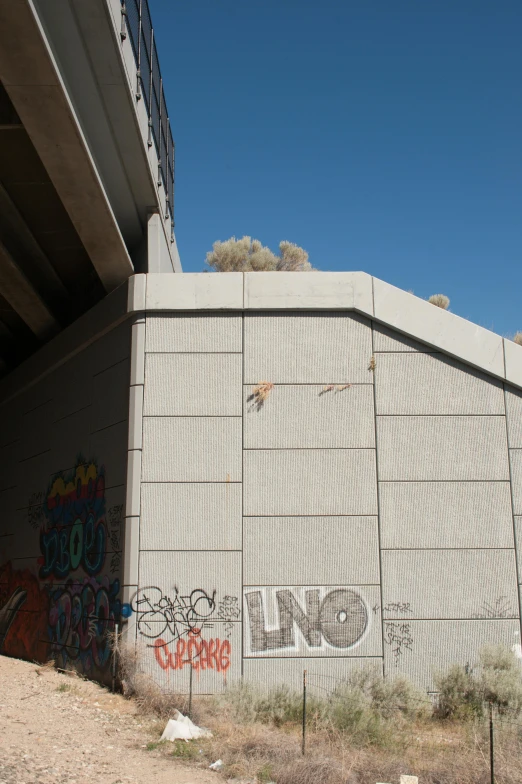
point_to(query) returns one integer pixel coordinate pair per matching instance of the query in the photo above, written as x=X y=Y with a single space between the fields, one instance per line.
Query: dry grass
x=447 y=753
x=440 y=301
x=367 y=730
x=518 y=338
x=260 y=394
x=334 y=388
x=148 y=697
x=372 y=364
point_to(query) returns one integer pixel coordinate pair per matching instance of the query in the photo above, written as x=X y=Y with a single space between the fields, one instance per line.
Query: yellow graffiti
x=83 y=473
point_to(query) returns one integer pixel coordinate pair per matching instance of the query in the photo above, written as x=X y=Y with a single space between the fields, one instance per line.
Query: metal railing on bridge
x=136 y=22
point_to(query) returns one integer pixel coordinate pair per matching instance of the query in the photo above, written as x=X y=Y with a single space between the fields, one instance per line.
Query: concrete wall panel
x=385 y=339
x=172 y=332
x=310 y=550
x=440 y=448
x=310 y=416
x=455 y=584
x=514 y=416
x=35 y=431
x=9 y=502
x=110 y=400
x=311 y=348
x=178 y=574
x=191 y=449
x=310 y=482
x=109 y=448
x=66 y=450
x=419 y=649
x=10 y=414
x=190 y=516
x=193 y=385
x=432 y=384
x=322 y=674
x=109 y=350
x=9 y=460
x=518 y=539
x=312 y=621
x=445 y=514
x=73 y=387
x=515 y=456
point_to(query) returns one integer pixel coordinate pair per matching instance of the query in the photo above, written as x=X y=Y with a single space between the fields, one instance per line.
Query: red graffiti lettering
x=213 y=654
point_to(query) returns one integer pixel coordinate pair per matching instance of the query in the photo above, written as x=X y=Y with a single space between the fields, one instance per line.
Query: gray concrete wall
x=63 y=458
x=357 y=517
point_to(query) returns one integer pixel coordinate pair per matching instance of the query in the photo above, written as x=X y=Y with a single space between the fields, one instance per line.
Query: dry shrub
x=374 y=710
x=314 y=770
x=248 y=255
x=149 y=698
x=440 y=300
x=245 y=703
x=251 y=751
x=260 y=394
x=518 y=338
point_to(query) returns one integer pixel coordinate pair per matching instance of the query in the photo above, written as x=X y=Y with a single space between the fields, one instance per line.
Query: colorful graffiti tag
x=67 y=608
x=75 y=533
x=80 y=615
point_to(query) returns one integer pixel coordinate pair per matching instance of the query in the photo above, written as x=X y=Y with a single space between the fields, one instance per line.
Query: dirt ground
x=58 y=729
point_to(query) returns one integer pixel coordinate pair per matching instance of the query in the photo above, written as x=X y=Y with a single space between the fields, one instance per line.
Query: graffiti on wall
x=177 y=626
x=195 y=651
x=74 y=535
x=66 y=609
x=23 y=614
x=315 y=618
x=80 y=615
x=398 y=635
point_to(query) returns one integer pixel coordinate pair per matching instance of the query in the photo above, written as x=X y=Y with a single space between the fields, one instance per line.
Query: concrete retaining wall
x=358 y=516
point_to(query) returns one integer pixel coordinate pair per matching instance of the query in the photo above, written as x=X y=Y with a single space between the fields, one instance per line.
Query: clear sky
x=381 y=135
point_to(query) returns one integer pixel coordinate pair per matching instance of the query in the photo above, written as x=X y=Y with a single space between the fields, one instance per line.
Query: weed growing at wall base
x=360 y=731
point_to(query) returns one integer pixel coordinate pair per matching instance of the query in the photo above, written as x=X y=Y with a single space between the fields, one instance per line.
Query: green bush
x=500 y=679
x=463 y=693
x=246 y=704
x=458 y=694
x=370 y=708
x=279 y=706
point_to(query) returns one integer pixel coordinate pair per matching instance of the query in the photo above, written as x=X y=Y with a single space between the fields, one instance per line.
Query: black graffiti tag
x=158 y=614
x=341 y=618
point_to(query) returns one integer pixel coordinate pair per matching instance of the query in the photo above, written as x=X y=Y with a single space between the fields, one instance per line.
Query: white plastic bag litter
x=182 y=728
x=217 y=765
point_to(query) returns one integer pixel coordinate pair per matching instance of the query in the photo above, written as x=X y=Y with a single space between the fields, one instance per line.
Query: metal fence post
x=115 y=648
x=491 y=745
x=303 y=747
x=190 y=689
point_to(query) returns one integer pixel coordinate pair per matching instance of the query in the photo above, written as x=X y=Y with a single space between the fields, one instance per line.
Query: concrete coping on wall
x=358 y=292
x=350 y=291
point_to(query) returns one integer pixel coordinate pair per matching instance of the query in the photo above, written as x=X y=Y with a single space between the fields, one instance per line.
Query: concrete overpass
x=86 y=163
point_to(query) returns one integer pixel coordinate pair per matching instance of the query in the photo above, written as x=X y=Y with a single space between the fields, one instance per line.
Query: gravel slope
x=58 y=729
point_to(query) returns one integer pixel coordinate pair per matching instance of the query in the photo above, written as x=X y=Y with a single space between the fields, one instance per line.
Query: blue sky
x=381 y=135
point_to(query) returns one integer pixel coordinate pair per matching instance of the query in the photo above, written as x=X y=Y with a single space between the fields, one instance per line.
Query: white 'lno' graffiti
x=336 y=616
